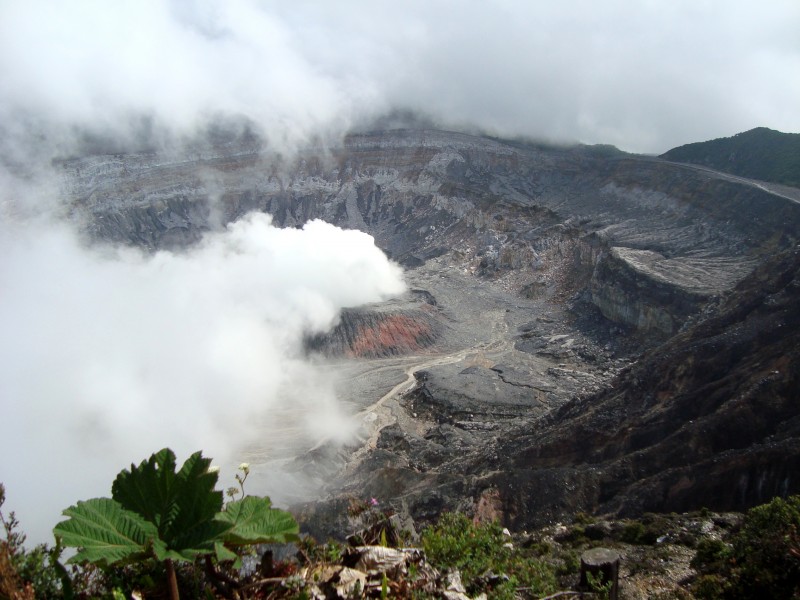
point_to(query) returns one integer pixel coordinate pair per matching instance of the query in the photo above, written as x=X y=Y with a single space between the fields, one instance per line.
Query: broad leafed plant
x=156 y=512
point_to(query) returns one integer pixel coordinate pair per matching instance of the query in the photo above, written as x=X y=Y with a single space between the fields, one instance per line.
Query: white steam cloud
x=109 y=354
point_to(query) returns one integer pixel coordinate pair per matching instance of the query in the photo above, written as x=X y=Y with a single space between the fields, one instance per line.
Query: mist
x=109 y=354
x=644 y=76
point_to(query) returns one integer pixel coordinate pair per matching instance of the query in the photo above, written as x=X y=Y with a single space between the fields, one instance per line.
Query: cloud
x=645 y=76
x=110 y=354
x=101 y=67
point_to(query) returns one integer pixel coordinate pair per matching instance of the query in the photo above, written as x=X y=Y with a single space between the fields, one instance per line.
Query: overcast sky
x=645 y=75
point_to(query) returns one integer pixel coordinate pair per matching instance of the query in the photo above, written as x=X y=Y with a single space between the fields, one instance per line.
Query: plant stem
x=172 y=580
x=225 y=585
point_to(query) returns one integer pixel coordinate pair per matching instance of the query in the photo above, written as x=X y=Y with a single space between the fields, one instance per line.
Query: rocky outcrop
x=651 y=293
x=710 y=418
x=666 y=233
x=365 y=333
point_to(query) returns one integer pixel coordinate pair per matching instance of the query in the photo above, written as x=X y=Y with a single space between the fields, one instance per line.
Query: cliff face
x=552 y=269
x=664 y=238
x=646 y=290
x=379 y=333
x=710 y=418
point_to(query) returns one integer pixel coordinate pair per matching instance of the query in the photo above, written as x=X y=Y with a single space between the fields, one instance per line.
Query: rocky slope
x=541 y=273
x=492 y=206
x=383 y=331
x=708 y=419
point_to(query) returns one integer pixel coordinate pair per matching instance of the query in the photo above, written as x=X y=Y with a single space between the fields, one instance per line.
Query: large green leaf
x=223 y=553
x=252 y=520
x=181 y=505
x=149 y=489
x=197 y=501
x=158 y=512
x=106 y=533
x=197 y=540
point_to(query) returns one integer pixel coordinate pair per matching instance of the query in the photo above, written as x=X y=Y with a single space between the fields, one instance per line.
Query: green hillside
x=760 y=153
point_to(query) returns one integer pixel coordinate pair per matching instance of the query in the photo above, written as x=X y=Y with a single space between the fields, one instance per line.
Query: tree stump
x=603 y=564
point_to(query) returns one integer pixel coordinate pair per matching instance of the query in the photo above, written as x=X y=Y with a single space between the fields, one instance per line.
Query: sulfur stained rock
x=380 y=333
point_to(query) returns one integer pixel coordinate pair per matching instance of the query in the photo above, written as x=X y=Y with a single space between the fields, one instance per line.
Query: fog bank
x=109 y=354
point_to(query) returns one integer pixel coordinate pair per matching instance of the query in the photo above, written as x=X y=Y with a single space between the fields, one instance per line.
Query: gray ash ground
x=501 y=360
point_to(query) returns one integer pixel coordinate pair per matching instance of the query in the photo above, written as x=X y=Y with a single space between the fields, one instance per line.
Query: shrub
x=633 y=532
x=487 y=564
x=570 y=562
x=711 y=556
x=645 y=532
x=28 y=573
x=762 y=561
x=765 y=551
x=709 y=587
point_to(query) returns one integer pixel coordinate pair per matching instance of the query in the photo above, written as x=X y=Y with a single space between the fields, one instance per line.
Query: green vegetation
x=28 y=574
x=166 y=531
x=597 y=586
x=760 y=153
x=158 y=513
x=711 y=555
x=761 y=561
x=486 y=560
x=645 y=531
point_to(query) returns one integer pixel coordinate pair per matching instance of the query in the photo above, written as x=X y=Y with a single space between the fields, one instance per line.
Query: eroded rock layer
x=379 y=333
x=711 y=418
x=498 y=208
x=610 y=332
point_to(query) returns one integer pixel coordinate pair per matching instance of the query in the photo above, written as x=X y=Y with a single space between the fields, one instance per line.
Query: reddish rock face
x=363 y=333
x=393 y=334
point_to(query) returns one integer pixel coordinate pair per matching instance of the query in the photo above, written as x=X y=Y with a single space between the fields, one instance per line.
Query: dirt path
x=770 y=188
x=380 y=414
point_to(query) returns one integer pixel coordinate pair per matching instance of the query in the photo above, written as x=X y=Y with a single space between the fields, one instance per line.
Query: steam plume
x=109 y=354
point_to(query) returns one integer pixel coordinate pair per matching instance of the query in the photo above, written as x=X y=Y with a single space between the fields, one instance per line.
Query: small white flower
x=213 y=469
x=245 y=467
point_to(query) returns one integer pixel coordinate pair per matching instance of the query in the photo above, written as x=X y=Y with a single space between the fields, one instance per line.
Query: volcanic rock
x=590 y=330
